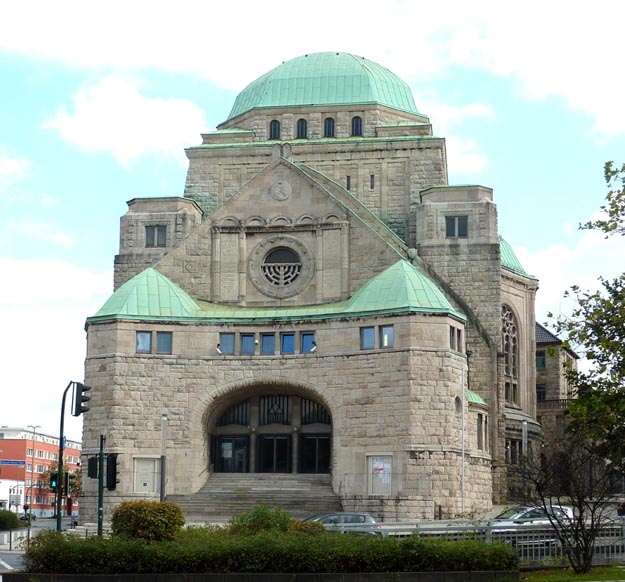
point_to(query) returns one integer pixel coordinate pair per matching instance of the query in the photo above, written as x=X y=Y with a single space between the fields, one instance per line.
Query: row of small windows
x=329 y=128
x=146 y=344
x=287 y=342
x=275 y=409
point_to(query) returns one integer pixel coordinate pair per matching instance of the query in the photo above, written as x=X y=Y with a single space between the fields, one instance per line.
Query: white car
x=535 y=515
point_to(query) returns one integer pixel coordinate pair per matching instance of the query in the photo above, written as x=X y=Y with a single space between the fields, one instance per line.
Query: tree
x=596 y=329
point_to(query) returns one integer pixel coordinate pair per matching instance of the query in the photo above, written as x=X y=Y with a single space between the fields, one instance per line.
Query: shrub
x=8 y=520
x=148 y=520
x=261 y=518
x=310 y=528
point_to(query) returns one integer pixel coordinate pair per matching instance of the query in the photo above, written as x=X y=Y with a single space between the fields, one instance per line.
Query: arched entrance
x=271 y=433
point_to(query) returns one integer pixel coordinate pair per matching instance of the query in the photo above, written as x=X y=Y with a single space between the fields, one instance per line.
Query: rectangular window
x=164 y=342
x=40 y=469
x=29 y=467
x=541 y=359
x=452 y=337
x=371 y=182
x=459 y=340
x=287 y=344
x=226 y=343
x=348 y=182
x=40 y=454
x=155 y=236
x=456 y=226
x=307 y=339
x=387 y=336
x=144 y=342
x=29 y=452
x=480 y=432
x=367 y=338
x=268 y=343
x=247 y=344
x=541 y=392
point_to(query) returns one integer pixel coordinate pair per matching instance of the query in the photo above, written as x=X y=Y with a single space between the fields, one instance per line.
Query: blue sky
x=98 y=102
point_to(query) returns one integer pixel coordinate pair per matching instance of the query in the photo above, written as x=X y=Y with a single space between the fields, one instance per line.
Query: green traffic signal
x=54 y=481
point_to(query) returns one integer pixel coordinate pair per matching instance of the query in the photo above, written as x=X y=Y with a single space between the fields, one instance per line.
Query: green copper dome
x=325 y=79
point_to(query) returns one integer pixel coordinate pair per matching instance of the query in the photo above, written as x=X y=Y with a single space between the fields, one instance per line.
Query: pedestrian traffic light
x=80 y=398
x=54 y=481
x=111 y=471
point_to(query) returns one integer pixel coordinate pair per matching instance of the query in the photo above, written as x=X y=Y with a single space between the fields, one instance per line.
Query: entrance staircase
x=228 y=494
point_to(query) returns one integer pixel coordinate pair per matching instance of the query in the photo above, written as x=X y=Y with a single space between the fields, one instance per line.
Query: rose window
x=281 y=267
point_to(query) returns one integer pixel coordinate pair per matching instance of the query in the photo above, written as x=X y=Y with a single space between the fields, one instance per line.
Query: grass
x=615 y=572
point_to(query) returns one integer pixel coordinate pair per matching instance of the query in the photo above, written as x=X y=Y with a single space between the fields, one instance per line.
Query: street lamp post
x=32 y=473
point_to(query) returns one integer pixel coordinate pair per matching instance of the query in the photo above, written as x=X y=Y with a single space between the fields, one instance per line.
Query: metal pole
x=59 y=487
x=32 y=475
x=101 y=484
x=462 y=465
x=163 y=454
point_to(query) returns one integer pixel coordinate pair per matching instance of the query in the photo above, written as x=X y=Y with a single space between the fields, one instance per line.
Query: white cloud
x=12 y=169
x=551 y=49
x=43 y=307
x=581 y=262
x=44 y=231
x=113 y=116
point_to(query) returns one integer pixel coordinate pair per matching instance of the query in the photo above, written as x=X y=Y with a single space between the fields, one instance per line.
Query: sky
x=98 y=101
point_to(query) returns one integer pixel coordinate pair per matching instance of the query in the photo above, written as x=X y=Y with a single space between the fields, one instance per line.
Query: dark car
x=346 y=522
x=27 y=517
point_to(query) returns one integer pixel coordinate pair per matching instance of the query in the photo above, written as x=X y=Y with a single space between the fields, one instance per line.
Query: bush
x=148 y=520
x=309 y=528
x=261 y=518
x=8 y=520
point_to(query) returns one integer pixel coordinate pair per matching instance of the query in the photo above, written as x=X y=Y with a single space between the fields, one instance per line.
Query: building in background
x=27 y=458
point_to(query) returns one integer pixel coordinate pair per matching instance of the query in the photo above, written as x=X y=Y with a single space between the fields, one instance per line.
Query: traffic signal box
x=54 y=481
x=80 y=399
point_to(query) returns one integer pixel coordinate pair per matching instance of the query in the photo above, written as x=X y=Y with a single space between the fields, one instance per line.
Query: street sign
x=11 y=462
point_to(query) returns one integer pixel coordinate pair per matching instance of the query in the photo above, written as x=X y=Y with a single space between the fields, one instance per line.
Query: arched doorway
x=271 y=433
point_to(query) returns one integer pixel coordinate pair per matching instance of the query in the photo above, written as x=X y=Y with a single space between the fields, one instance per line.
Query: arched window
x=356 y=126
x=302 y=129
x=328 y=127
x=274 y=129
x=510 y=339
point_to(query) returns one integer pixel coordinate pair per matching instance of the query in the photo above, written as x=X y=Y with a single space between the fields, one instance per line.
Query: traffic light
x=111 y=471
x=54 y=481
x=70 y=482
x=80 y=398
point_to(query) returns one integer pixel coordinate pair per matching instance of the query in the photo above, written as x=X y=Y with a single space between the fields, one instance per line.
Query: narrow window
x=372 y=182
x=486 y=447
x=459 y=340
x=307 y=341
x=367 y=338
x=541 y=392
x=302 y=129
x=287 y=345
x=387 y=336
x=348 y=182
x=226 y=343
x=144 y=342
x=274 y=129
x=328 y=127
x=164 y=342
x=452 y=337
x=480 y=432
x=356 y=126
x=247 y=344
x=268 y=343
x=155 y=236
x=456 y=226
x=541 y=359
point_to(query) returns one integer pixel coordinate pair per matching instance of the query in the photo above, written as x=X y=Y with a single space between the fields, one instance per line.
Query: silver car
x=345 y=522
x=535 y=515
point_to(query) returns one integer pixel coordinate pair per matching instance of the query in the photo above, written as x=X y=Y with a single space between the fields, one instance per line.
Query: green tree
x=596 y=330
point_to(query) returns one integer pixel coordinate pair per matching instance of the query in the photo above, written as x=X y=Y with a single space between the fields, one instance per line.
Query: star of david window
x=281 y=267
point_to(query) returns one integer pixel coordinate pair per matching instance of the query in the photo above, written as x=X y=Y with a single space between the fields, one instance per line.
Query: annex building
x=320 y=303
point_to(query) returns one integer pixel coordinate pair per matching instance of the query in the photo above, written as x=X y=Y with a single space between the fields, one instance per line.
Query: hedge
x=211 y=550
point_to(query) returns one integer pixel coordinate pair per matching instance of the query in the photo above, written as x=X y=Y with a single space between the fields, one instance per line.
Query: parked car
x=26 y=517
x=361 y=523
x=535 y=515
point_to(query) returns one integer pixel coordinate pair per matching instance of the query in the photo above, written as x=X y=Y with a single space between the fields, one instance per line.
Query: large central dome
x=325 y=79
